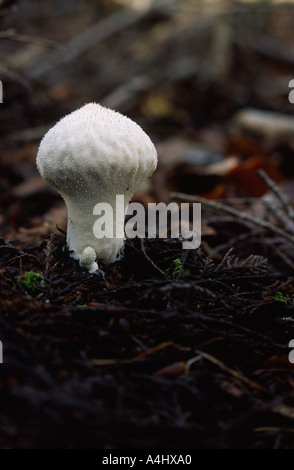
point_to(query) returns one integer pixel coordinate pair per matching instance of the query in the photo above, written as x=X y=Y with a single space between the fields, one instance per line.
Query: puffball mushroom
x=91 y=156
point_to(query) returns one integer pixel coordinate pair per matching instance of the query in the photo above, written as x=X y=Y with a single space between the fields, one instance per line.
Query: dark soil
x=135 y=359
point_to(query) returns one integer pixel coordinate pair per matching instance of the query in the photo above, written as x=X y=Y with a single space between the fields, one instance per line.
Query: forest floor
x=169 y=348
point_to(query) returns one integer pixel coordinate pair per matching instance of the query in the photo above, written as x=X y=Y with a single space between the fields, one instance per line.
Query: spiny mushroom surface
x=91 y=156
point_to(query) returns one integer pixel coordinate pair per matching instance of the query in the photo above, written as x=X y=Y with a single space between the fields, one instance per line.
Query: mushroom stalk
x=82 y=220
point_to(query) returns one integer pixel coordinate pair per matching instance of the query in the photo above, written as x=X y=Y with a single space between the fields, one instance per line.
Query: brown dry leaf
x=218 y=192
x=244 y=146
x=245 y=177
x=276 y=361
x=149 y=351
x=172 y=371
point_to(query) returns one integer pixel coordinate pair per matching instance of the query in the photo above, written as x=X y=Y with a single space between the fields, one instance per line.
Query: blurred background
x=201 y=77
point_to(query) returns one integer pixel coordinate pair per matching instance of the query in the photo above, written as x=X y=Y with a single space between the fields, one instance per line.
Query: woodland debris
x=265 y=122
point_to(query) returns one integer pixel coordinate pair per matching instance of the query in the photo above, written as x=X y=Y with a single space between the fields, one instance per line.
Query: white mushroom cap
x=90 y=156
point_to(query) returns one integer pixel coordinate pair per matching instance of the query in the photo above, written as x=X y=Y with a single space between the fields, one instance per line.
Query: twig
x=225 y=259
x=278 y=193
x=19 y=258
x=142 y=355
x=242 y=200
x=234 y=241
x=14 y=36
x=194 y=286
x=7 y=72
x=284 y=258
x=150 y=261
x=224 y=367
x=81 y=43
x=248 y=219
x=274 y=210
x=229 y=323
x=266 y=46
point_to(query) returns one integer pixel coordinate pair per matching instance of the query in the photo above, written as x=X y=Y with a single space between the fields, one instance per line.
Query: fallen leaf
x=172 y=371
x=246 y=179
